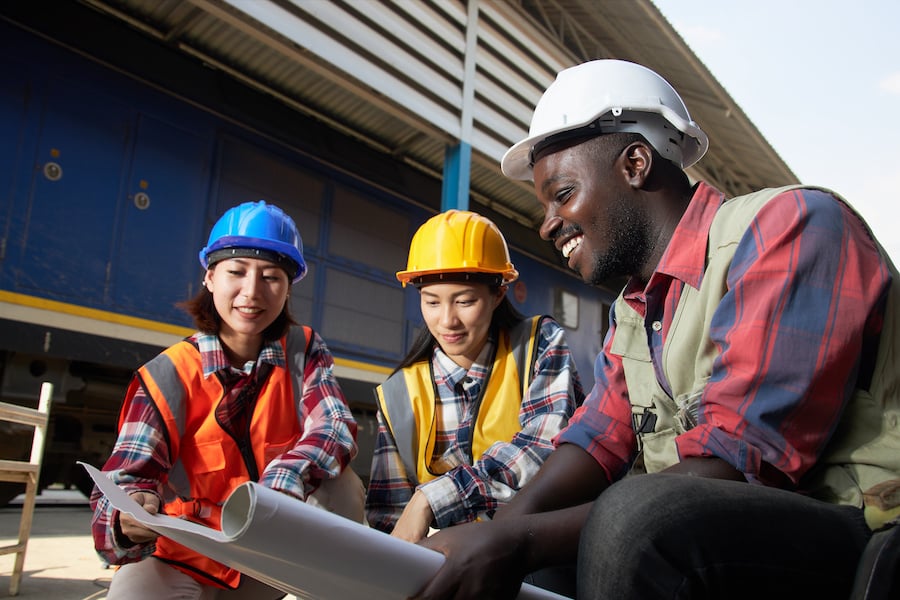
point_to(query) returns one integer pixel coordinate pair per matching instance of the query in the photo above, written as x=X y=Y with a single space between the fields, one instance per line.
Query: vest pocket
x=864 y=451
x=631 y=338
x=205 y=462
x=659 y=450
x=210 y=457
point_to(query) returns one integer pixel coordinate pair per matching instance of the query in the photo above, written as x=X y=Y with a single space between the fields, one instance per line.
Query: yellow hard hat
x=456 y=243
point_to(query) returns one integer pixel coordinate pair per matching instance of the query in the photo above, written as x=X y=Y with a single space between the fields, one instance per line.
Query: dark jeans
x=559 y=579
x=679 y=537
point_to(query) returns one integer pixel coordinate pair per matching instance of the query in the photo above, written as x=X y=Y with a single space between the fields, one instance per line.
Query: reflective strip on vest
x=407 y=401
x=165 y=374
x=295 y=349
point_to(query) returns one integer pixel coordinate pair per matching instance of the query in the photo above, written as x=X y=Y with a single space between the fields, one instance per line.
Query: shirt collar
x=213 y=358
x=685 y=256
x=453 y=373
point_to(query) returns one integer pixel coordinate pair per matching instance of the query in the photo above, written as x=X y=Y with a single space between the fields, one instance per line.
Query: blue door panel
x=13 y=91
x=75 y=181
x=164 y=204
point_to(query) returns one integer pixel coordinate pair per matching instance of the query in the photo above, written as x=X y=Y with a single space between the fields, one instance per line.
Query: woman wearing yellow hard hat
x=468 y=416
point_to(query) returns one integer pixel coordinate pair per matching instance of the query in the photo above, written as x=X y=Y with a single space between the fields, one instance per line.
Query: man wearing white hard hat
x=741 y=439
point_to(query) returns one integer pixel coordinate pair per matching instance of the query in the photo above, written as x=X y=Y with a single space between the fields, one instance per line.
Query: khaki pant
x=344 y=496
x=153 y=579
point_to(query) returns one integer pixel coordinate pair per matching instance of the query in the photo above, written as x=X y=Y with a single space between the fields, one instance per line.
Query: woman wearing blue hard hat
x=249 y=397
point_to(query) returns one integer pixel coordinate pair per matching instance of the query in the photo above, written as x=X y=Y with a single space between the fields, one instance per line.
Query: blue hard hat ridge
x=257 y=226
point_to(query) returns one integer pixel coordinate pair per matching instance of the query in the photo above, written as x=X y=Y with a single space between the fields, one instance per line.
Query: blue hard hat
x=256 y=230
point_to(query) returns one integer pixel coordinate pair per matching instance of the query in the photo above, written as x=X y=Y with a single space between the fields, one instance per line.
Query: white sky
x=820 y=79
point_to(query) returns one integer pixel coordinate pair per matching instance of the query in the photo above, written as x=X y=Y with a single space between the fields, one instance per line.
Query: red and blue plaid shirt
x=797 y=331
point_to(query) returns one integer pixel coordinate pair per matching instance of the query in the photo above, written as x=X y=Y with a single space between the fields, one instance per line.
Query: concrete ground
x=60 y=562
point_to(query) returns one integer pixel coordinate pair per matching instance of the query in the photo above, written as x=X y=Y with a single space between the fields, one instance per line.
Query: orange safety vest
x=208 y=464
x=407 y=400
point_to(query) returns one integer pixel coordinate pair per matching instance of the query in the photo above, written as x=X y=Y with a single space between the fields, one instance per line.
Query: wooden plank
x=17 y=467
x=22 y=414
x=27 y=472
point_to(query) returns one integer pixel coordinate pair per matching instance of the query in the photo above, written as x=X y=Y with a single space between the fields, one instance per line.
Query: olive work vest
x=865 y=447
x=407 y=400
x=208 y=463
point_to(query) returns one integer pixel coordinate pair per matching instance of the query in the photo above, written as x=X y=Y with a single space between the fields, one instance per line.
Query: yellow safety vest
x=407 y=400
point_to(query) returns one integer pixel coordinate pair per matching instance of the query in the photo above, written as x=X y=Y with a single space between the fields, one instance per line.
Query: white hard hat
x=608 y=96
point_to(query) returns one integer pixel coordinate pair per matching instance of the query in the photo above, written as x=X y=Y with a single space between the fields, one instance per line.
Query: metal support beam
x=457 y=168
x=458 y=158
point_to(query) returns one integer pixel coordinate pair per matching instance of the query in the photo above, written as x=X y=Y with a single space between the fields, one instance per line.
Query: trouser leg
x=152 y=579
x=679 y=537
x=559 y=579
x=344 y=496
x=250 y=589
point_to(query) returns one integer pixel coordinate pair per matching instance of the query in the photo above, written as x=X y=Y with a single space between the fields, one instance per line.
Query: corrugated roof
x=740 y=159
x=393 y=74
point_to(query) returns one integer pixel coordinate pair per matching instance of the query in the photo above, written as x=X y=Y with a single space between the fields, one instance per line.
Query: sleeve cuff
x=444 y=500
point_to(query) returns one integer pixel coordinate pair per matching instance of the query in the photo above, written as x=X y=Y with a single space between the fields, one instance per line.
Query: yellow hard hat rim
x=457 y=242
x=457 y=275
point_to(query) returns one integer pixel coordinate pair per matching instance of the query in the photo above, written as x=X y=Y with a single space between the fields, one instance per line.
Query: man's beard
x=626 y=230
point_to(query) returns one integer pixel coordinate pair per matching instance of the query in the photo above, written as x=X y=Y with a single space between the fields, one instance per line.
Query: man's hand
x=417 y=516
x=134 y=530
x=483 y=560
x=540 y=527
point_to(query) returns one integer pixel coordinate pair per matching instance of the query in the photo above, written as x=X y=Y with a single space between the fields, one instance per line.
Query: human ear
x=637 y=161
x=501 y=292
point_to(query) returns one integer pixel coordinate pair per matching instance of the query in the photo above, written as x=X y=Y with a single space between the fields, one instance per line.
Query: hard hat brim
x=506 y=277
x=516 y=163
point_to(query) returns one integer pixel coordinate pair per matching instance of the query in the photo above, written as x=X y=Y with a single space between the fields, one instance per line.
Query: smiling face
x=248 y=294
x=600 y=229
x=458 y=315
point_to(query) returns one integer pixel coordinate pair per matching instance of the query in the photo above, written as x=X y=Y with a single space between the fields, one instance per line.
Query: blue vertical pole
x=457 y=168
x=458 y=157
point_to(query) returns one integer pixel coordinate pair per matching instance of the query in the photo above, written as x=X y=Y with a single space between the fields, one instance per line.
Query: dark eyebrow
x=551 y=181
